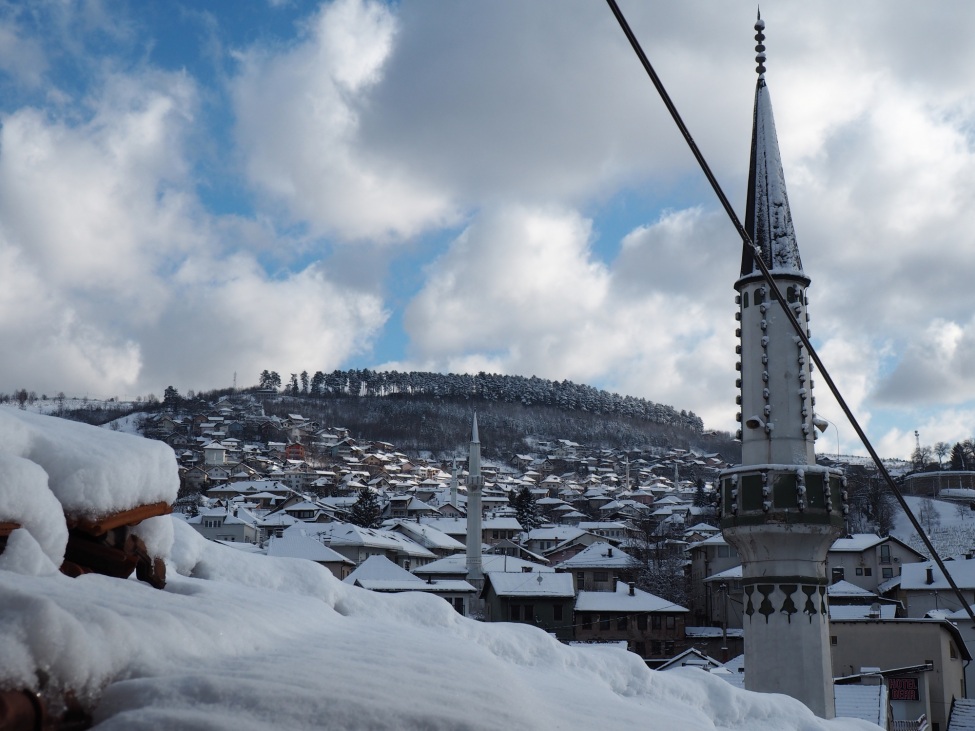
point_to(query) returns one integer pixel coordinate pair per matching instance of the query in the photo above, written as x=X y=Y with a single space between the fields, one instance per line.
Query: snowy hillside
x=952 y=532
x=239 y=641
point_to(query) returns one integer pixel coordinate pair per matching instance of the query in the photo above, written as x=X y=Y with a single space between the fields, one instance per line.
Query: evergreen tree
x=365 y=511
x=525 y=509
x=701 y=499
x=171 y=397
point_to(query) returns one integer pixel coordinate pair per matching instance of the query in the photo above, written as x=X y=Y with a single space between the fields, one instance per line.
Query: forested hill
x=484 y=387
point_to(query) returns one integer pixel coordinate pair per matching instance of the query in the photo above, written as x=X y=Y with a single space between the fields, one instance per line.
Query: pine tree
x=365 y=511
x=525 y=509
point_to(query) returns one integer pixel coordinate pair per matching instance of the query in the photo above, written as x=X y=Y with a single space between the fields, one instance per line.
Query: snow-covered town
x=234 y=561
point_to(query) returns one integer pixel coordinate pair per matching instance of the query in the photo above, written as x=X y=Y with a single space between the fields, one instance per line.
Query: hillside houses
x=288 y=485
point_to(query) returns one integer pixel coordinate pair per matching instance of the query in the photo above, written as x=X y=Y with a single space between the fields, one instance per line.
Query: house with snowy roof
x=868 y=560
x=378 y=573
x=226 y=524
x=427 y=536
x=455 y=567
x=303 y=546
x=924 y=588
x=651 y=626
x=599 y=567
x=542 y=599
x=357 y=543
x=847 y=601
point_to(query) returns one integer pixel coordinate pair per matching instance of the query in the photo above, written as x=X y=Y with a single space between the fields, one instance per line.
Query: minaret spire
x=768 y=219
x=779 y=508
x=475 y=574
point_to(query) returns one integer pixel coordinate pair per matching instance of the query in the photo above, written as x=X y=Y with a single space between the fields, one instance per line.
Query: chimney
x=930 y=578
x=609 y=553
x=632 y=589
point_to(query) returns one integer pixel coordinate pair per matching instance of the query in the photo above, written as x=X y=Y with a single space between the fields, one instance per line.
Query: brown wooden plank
x=101 y=525
x=7 y=527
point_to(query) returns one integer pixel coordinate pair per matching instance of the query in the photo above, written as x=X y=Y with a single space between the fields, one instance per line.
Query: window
x=641 y=623
x=859 y=571
x=832 y=639
x=868 y=572
x=621 y=623
x=671 y=621
x=580 y=579
x=459 y=604
x=604 y=620
x=530 y=613
x=885 y=553
x=655 y=647
x=557 y=612
x=514 y=612
x=587 y=621
x=887 y=572
x=837 y=574
x=655 y=622
x=600 y=576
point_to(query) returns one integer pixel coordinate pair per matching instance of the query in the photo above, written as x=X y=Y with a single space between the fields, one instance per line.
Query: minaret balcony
x=753 y=495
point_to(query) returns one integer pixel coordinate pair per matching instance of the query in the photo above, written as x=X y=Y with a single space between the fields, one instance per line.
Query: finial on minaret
x=760 y=48
x=474 y=430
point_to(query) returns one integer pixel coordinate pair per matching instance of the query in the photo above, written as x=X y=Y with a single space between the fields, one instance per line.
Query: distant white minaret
x=475 y=574
x=453 y=484
x=779 y=509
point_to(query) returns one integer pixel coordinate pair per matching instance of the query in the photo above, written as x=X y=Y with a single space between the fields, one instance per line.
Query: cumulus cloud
x=298 y=118
x=520 y=291
x=116 y=281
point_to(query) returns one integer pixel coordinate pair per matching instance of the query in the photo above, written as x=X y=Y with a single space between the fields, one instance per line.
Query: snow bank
x=91 y=471
x=239 y=641
x=50 y=466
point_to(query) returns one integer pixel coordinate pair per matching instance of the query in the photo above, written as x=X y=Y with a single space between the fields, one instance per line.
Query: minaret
x=475 y=575
x=453 y=484
x=778 y=508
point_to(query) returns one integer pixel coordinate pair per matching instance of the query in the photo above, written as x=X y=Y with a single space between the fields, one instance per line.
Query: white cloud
x=298 y=116
x=117 y=282
x=519 y=292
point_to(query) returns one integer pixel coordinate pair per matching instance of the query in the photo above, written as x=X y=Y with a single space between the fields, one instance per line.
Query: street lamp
x=821 y=423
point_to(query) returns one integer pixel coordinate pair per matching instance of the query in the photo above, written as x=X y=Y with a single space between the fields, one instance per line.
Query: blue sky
x=193 y=190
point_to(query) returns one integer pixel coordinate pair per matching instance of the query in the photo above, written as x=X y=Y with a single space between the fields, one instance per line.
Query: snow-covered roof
x=489 y=562
x=846 y=589
x=299 y=545
x=857 y=542
x=598 y=555
x=533 y=583
x=866 y=702
x=914 y=576
x=727 y=575
x=622 y=601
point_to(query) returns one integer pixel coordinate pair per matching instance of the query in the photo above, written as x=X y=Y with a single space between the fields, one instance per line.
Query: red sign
x=904 y=689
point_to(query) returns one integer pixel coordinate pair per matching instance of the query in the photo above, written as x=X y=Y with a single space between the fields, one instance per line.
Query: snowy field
x=952 y=533
x=240 y=641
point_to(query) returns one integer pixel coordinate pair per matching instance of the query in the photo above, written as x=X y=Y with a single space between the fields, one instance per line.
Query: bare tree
x=941 y=449
x=928 y=516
